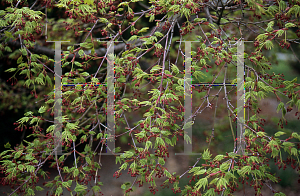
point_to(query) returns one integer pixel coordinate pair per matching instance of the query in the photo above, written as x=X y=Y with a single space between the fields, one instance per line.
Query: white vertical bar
x=240 y=98
x=188 y=147
x=110 y=97
x=58 y=101
x=187 y=97
x=57 y=98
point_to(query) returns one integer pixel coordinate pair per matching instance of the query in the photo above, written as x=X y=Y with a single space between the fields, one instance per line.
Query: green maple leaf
x=89 y=2
x=7 y=145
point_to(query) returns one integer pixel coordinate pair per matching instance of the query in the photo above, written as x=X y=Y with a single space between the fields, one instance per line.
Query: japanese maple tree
x=148 y=55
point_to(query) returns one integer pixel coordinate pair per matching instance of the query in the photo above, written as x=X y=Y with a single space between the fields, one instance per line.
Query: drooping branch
x=38 y=49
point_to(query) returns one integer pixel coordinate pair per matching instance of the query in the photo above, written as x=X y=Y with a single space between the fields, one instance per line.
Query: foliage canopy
x=149 y=74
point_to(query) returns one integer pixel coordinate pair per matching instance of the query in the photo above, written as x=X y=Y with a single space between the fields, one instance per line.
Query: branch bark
x=38 y=49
